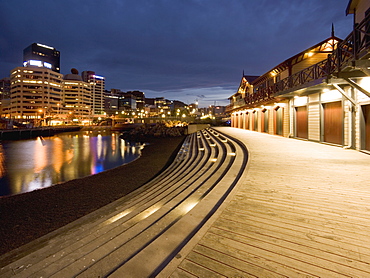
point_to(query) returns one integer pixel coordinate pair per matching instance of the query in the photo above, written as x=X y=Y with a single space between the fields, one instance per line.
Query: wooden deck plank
x=216 y=243
x=217 y=266
x=333 y=204
x=341 y=225
x=189 y=269
x=325 y=256
x=302 y=210
x=278 y=254
x=337 y=244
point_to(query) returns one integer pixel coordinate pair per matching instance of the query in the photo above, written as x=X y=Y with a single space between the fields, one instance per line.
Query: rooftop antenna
x=332 y=29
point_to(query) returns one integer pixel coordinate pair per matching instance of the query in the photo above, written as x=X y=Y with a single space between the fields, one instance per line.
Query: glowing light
x=45 y=46
x=117 y=217
x=40 y=156
x=213 y=160
x=2 y=162
x=35 y=63
x=280 y=104
x=365 y=83
x=98 y=77
x=149 y=212
x=300 y=100
x=189 y=207
x=329 y=95
x=57 y=157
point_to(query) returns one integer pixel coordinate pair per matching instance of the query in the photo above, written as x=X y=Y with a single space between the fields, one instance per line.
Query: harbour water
x=27 y=165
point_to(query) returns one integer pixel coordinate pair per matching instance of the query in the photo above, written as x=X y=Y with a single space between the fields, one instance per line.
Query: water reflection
x=27 y=165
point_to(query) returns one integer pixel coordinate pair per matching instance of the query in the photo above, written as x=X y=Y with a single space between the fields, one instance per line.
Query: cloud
x=169 y=46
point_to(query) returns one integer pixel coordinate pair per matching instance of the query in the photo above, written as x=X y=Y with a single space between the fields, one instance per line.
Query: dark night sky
x=178 y=49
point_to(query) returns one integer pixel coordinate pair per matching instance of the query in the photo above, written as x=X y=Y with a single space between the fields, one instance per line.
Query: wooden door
x=302 y=122
x=333 y=122
x=255 y=121
x=265 y=121
x=247 y=120
x=278 y=121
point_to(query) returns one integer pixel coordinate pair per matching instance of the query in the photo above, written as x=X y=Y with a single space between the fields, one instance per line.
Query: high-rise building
x=36 y=93
x=5 y=88
x=40 y=55
x=5 y=95
x=97 y=83
x=77 y=104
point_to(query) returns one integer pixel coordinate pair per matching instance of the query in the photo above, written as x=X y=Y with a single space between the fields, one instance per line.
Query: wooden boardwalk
x=299 y=209
x=303 y=210
x=138 y=235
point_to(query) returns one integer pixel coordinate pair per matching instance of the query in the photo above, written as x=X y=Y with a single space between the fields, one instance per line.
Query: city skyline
x=193 y=50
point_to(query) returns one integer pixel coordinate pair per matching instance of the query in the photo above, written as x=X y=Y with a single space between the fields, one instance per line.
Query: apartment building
x=35 y=92
x=77 y=104
x=97 y=83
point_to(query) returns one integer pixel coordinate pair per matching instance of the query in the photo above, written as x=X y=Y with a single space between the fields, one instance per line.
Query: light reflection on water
x=27 y=165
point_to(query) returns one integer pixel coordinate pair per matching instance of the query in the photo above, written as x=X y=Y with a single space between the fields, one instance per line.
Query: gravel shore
x=27 y=216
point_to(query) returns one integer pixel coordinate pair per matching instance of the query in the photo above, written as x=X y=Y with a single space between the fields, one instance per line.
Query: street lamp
x=41 y=116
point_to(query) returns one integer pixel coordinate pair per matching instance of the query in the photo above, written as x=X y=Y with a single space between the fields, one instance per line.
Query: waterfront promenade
x=296 y=209
x=302 y=209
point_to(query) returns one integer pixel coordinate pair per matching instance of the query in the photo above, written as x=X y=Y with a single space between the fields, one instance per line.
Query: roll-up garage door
x=333 y=122
x=366 y=111
x=301 y=122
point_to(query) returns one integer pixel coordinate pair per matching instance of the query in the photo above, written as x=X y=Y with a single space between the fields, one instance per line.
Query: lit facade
x=36 y=93
x=97 y=83
x=5 y=96
x=41 y=55
x=321 y=94
x=77 y=104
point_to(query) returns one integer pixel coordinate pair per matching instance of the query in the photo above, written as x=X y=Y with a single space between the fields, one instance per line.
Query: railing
x=229 y=108
x=362 y=37
x=355 y=46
